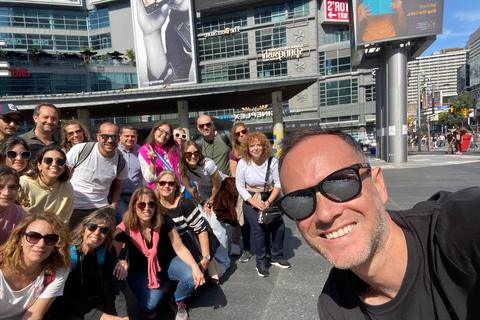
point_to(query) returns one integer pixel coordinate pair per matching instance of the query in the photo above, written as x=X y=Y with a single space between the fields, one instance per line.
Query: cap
x=8 y=108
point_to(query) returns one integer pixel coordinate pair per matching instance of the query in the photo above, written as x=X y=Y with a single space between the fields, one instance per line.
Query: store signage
x=19 y=72
x=225 y=32
x=261 y=114
x=290 y=52
x=336 y=10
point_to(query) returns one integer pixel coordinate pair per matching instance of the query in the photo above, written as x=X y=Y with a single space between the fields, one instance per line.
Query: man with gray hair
x=421 y=263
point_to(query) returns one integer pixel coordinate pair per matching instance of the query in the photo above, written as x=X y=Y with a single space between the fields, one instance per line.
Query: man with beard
x=420 y=263
x=11 y=120
x=97 y=168
x=46 y=116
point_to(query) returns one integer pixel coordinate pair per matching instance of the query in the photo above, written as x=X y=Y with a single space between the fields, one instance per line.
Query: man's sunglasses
x=35 y=237
x=340 y=186
x=188 y=155
x=142 y=205
x=8 y=120
x=92 y=227
x=163 y=183
x=25 y=155
x=181 y=135
x=237 y=134
x=48 y=161
x=71 y=133
x=208 y=125
x=108 y=136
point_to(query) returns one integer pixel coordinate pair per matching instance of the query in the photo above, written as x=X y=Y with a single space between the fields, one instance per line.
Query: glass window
x=223 y=47
x=271 y=69
x=276 y=12
x=298 y=8
x=329 y=63
x=338 y=92
x=221 y=22
x=270 y=38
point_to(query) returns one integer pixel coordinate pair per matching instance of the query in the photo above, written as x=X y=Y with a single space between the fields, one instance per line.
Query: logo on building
x=19 y=72
x=225 y=32
x=291 y=52
x=261 y=114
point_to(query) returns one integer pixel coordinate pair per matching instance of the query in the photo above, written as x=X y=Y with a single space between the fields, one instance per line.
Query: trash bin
x=373 y=150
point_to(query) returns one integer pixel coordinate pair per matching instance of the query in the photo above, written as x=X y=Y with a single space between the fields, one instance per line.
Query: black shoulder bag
x=270 y=215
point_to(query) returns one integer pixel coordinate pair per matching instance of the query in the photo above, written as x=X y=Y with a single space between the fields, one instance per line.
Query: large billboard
x=385 y=20
x=76 y=3
x=165 y=48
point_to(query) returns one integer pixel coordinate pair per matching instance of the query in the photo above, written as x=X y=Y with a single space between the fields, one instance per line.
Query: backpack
x=74 y=254
x=224 y=137
x=88 y=148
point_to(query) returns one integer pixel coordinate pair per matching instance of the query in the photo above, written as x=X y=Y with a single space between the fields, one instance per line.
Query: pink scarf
x=151 y=254
x=172 y=159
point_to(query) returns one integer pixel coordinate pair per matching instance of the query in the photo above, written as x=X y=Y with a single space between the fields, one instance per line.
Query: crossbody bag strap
x=267 y=173
x=189 y=169
x=166 y=164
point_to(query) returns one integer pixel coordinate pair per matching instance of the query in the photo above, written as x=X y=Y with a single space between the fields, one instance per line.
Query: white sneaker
x=235 y=250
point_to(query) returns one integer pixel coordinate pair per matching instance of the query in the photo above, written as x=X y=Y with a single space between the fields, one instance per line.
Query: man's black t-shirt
x=441 y=280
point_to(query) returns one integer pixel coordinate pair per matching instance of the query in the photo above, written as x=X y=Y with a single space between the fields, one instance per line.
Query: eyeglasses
x=188 y=155
x=340 y=186
x=8 y=120
x=163 y=183
x=71 y=133
x=25 y=155
x=92 y=227
x=237 y=134
x=207 y=125
x=35 y=237
x=182 y=135
x=108 y=136
x=163 y=132
x=48 y=161
x=142 y=205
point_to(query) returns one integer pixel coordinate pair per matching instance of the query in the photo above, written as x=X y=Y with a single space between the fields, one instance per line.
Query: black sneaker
x=180 y=310
x=284 y=264
x=262 y=271
x=246 y=255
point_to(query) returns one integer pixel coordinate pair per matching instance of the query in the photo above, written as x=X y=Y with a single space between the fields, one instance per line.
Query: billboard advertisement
x=164 y=42
x=378 y=21
x=335 y=11
x=75 y=3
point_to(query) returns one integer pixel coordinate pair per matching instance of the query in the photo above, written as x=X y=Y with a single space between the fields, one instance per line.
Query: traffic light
x=452 y=109
x=465 y=112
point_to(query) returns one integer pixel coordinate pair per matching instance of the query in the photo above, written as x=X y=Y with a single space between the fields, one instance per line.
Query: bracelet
x=209 y=204
x=202 y=203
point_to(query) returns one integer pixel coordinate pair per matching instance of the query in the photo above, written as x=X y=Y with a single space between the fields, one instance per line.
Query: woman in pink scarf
x=158 y=143
x=153 y=244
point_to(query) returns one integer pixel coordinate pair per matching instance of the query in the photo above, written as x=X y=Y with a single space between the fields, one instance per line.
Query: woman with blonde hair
x=34 y=264
x=73 y=132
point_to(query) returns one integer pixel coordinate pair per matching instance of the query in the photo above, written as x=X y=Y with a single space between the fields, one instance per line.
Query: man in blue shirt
x=129 y=148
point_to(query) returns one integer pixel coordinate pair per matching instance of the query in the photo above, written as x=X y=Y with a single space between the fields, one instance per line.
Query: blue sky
x=461 y=19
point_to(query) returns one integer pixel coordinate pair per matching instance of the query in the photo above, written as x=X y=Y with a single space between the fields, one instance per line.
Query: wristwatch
x=202 y=203
x=207 y=257
x=209 y=205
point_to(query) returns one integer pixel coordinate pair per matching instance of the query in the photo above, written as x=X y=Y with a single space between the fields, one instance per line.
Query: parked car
x=367 y=143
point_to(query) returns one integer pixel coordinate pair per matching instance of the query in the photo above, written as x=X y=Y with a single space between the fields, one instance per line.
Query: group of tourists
x=80 y=218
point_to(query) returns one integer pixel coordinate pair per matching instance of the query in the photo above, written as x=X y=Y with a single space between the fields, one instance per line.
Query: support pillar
x=83 y=115
x=277 y=122
x=182 y=106
x=380 y=111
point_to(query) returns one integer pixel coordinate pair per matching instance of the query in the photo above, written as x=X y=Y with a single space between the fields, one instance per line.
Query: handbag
x=270 y=215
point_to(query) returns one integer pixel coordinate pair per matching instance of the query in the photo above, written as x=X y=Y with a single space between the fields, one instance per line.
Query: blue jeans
x=149 y=299
x=122 y=207
x=261 y=232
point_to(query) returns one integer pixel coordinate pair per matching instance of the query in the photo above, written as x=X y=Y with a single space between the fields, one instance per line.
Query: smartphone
x=183 y=31
x=153 y=5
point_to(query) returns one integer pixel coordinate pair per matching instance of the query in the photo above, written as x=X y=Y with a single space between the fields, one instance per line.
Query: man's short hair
x=294 y=138
x=107 y=123
x=8 y=173
x=36 y=111
x=128 y=127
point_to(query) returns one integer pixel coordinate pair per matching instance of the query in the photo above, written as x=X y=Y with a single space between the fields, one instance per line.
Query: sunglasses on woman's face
x=163 y=183
x=181 y=135
x=142 y=205
x=237 y=134
x=92 y=227
x=48 y=161
x=189 y=155
x=25 y=155
x=35 y=237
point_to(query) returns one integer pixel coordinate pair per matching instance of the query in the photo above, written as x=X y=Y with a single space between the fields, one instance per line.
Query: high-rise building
x=473 y=46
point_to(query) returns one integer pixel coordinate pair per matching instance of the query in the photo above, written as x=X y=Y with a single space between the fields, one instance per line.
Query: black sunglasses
x=25 y=155
x=208 y=125
x=71 y=133
x=35 y=237
x=340 y=186
x=188 y=155
x=92 y=227
x=163 y=183
x=48 y=161
x=237 y=134
x=114 y=137
x=142 y=205
x=182 y=135
x=8 y=120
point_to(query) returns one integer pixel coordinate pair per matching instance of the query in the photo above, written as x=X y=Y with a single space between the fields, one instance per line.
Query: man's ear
x=379 y=183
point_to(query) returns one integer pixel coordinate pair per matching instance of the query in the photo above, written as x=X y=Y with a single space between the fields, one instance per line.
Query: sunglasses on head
x=142 y=205
x=35 y=237
x=163 y=183
x=92 y=227
x=25 y=155
x=71 y=133
x=48 y=161
x=237 y=134
x=8 y=120
x=208 y=125
x=108 y=136
x=188 y=155
x=181 y=135
x=340 y=186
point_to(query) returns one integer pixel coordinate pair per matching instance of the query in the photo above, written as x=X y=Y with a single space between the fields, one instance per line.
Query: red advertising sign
x=336 y=10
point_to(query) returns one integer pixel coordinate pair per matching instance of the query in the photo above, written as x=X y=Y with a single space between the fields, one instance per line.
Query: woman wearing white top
x=250 y=182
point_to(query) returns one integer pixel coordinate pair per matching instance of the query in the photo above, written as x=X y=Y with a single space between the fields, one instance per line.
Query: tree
x=129 y=53
x=443 y=118
x=462 y=106
x=37 y=53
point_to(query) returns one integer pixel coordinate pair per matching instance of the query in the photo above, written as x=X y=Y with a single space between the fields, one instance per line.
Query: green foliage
x=443 y=118
x=130 y=53
x=462 y=105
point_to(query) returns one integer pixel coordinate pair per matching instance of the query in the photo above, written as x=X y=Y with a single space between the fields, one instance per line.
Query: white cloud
x=449 y=34
x=467 y=16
